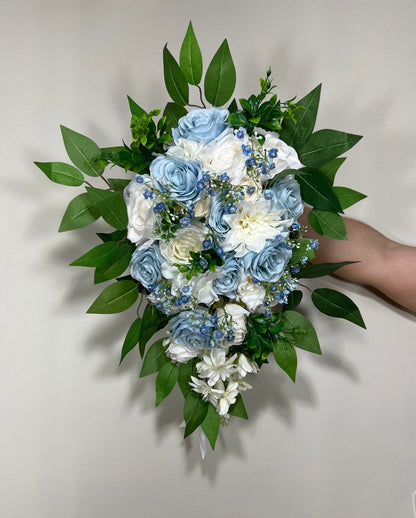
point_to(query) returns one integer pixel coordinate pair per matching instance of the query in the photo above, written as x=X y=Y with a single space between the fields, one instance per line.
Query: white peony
x=251 y=294
x=216 y=367
x=224 y=156
x=238 y=315
x=187 y=239
x=178 y=353
x=140 y=213
x=251 y=225
x=185 y=149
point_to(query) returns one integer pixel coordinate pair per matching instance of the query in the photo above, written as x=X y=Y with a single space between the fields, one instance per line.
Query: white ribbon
x=202 y=440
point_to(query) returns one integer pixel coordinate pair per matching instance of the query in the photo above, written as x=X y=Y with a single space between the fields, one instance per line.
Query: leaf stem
x=303 y=286
x=200 y=96
x=88 y=183
x=105 y=180
x=196 y=106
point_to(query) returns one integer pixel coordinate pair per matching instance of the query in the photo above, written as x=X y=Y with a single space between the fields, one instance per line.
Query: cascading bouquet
x=208 y=229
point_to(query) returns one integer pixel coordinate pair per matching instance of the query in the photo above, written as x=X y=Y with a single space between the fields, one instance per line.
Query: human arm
x=385 y=265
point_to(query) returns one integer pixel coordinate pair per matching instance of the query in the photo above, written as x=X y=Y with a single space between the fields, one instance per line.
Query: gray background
x=79 y=436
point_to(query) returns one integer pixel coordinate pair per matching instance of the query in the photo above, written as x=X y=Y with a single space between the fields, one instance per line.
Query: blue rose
x=228 y=284
x=203 y=125
x=145 y=266
x=269 y=264
x=193 y=329
x=215 y=217
x=286 y=195
x=183 y=180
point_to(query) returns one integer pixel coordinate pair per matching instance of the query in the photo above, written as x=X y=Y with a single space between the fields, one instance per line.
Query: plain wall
x=79 y=436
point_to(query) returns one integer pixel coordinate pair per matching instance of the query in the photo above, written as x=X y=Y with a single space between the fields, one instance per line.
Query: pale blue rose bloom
x=269 y=264
x=179 y=178
x=193 y=329
x=145 y=266
x=215 y=217
x=228 y=284
x=286 y=195
x=203 y=125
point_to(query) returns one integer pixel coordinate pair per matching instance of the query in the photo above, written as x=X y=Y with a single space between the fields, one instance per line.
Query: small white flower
x=208 y=393
x=251 y=294
x=251 y=225
x=238 y=315
x=228 y=396
x=242 y=385
x=178 y=353
x=140 y=212
x=215 y=367
x=244 y=366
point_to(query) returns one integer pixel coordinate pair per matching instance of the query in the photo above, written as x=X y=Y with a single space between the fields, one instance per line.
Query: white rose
x=251 y=294
x=185 y=149
x=251 y=225
x=140 y=213
x=238 y=315
x=224 y=156
x=202 y=287
x=202 y=207
x=187 y=239
x=178 y=353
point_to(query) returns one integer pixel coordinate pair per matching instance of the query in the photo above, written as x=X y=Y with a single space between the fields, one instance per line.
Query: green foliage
x=211 y=425
x=165 y=381
x=83 y=152
x=117 y=235
x=293 y=300
x=115 y=298
x=186 y=370
x=301 y=331
x=336 y=304
x=316 y=190
x=328 y=224
x=302 y=250
x=194 y=411
x=117 y=267
x=98 y=256
x=325 y=145
x=64 y=174
x=111 y=206
x=220 y=77
x=173 y=112
x=118 y=184
x=348 y=197
x=132 y=338
x=311 y=271
x=135 y=109
x=153 y=321
x=154 y=360
x=195 y=267
x=238 y=409
x=80 y=212
x=285 y=356
x=175 y=81
x=296 y=134
x=190 y=58
x=330 y=168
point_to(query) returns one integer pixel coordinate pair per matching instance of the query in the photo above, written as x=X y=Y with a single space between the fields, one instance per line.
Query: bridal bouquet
x=206 y=231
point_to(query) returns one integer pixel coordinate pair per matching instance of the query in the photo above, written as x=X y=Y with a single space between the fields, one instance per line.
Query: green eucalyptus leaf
x=233 y=106
x=111 y=206
x=330 y=168
x=328 y=224
x=80 y=212
x=115 y=298
x=132 y=338
x=336 y=304
x=153 y=320
x=190 y=58
x=316 y=190
x=83 y=152
x=154 y=360
x=348 y=197
x=211 y=425
x=238 y=409
x=64 y=174
x=173 y=112
x=98 y=256
x=117 y=235
x=311 y=271
x=325 y=145
x=298 y=328
x=194 y=411
x=165 y=381
x=119 y=265
x=186 y=370
x=135 y=109
x=296 y=135
x=285 y=356
x=118 y=184
x=293 y=300
x=176 y=84
x=220 y=78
